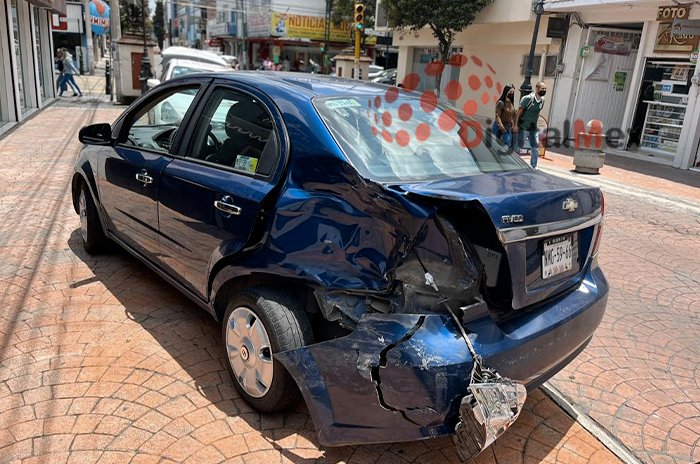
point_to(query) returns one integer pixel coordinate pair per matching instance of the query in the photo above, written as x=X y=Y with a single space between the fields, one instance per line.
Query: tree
x=445 y=19
x=159 y=24
x=131 y=17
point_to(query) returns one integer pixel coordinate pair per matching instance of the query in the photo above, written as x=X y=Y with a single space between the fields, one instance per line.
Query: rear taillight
x=599 y=229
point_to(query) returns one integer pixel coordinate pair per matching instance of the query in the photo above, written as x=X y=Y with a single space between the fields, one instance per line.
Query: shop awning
x=578 y=5
x=56 y=6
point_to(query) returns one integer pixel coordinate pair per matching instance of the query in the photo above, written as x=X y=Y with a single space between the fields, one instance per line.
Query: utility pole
x=526 y=87
x=145 y=62
x=358 y=26
x=244 y=34
x=327 y=37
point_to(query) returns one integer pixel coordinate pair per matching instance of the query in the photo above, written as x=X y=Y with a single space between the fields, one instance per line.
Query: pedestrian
x=526 y=120
x=285 y=64
x=69 y=70
x=235 y=65
x=505 y=116
x=58 y=59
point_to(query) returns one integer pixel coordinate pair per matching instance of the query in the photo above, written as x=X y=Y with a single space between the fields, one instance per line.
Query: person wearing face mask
x=526 y=120
x=505 y=116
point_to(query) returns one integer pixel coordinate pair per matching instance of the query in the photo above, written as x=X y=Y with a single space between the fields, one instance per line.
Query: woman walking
x=505 y=116
x=69 y=70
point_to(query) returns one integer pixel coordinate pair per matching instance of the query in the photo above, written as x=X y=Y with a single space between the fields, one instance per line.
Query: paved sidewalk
x=637 y=173
x=102 y=361
x=640 y=376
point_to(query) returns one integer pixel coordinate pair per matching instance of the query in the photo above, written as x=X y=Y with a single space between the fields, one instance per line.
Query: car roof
x=278 y=83
x=199 y=65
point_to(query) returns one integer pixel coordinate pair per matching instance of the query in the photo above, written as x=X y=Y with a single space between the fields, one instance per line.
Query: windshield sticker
x=344 y=103
x=246 y=164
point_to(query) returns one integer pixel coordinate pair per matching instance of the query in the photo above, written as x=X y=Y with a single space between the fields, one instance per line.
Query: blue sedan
x=374 y=252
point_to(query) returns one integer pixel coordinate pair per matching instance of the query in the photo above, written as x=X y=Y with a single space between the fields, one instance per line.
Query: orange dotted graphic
x=474 y=82
x=386 y=119
x=428 y=101
x=434 y=68
x=422 y=132
x=448 y=119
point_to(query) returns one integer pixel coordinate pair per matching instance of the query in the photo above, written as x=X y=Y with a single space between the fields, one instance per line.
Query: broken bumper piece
x=403 y=377
x=489 y=409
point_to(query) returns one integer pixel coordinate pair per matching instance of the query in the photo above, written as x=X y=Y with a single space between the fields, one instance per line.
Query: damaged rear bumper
x=401 y=377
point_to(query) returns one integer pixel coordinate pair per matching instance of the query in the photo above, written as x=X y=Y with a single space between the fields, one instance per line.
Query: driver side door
x=129 y=172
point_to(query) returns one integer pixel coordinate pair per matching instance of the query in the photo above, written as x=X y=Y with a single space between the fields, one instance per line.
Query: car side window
x=154 y=126
x=236 y=131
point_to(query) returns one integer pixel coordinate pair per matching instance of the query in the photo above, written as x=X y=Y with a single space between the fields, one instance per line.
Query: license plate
x=557 y=256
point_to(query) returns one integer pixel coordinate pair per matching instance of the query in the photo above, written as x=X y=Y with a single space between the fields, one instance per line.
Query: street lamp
x=526 y=87
x=145 y=62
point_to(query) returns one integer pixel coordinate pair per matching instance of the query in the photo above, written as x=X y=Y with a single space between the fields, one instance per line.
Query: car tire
x=94 y=239
x=261 y=380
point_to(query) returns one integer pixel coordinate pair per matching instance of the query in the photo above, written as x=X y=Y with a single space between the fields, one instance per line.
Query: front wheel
x=259 y=322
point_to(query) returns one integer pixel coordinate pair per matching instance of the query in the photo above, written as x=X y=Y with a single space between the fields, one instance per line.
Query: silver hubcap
x=249 y=351
x=82 y=207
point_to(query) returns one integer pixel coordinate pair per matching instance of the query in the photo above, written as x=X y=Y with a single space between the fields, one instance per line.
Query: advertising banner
x=292 y=26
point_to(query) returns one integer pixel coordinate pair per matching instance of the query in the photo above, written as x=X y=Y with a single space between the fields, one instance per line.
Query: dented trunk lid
x=531 y=211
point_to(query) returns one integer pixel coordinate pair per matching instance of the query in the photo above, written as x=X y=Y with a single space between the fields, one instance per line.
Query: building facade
x=27 y=81
x=633 y=65
x=496 y=47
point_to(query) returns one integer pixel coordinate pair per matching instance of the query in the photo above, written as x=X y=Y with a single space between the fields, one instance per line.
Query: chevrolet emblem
x=570 y=205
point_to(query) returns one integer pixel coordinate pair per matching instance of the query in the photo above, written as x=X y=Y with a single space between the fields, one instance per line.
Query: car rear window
x=403 y=138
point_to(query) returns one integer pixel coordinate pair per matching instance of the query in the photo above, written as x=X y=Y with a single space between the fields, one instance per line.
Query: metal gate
x=605 y=79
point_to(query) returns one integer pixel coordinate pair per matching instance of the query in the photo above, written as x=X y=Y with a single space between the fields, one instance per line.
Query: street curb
x=603 y=435
x=619 y=188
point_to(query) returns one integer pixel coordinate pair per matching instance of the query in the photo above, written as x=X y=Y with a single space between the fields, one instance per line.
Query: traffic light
x=359 y=16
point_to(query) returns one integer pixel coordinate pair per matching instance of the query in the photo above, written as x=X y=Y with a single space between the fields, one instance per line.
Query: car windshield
x=406 y=138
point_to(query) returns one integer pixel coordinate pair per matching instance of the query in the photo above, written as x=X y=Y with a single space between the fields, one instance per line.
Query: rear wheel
x=93 y=236
x=259 y=322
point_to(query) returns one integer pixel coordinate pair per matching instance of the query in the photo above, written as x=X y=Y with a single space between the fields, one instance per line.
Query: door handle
x=144 y=178
x=226 y=205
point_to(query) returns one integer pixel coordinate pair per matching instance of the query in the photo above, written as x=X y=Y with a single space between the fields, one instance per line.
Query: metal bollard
x=108 y=78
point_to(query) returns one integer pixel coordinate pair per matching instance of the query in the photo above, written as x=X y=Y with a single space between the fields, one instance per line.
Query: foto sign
x=685 y=27
x=669 y=13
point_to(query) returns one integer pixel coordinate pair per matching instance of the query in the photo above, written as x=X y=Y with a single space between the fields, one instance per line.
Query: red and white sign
x=59 y=22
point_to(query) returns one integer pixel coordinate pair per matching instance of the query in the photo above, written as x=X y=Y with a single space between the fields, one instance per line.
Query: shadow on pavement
x=192 y=338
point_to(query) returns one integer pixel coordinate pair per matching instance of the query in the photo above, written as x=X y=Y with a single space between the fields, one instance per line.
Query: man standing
x=526 y=120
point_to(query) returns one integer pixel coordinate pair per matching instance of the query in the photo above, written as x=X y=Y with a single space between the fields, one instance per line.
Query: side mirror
x=152 y=82
x=96 y=134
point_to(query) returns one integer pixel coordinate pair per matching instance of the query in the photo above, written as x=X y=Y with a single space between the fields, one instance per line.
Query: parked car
x=191 y=54
x=374 y=71
x=407 y=286
x=179 y=67
x=387 y=77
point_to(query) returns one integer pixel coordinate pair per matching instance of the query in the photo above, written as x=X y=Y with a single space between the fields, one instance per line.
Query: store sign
x=669 y=13
x=215 y=29
x=666 y=42
x=585 y=51
x=214 y=42
x=620 y=81
x=59 y=22
x=685 y=27
x=613 y=45
x=694 y=56
x=99 y=17
x=294 y=26
x=258 y=25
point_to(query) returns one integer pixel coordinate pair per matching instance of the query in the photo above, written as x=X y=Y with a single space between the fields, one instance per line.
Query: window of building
x=550 y=65
x=20 y=60
x=421 y=58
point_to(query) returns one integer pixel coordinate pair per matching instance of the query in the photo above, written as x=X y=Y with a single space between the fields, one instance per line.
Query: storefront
x=26 y=62
x=636 y=72
x=489 y=54
x=294 y=41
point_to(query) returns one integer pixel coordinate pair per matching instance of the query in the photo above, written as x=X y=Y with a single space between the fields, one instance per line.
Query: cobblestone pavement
x=102 y=361
x=640 y=376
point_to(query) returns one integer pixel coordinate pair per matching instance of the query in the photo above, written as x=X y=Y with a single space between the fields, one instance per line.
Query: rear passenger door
x=211 y=195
